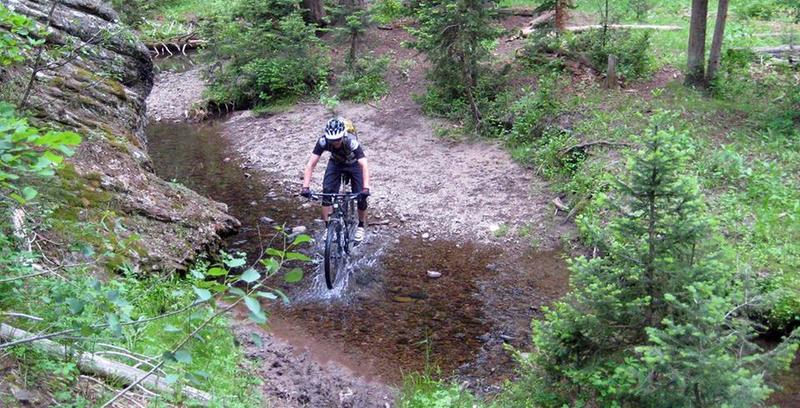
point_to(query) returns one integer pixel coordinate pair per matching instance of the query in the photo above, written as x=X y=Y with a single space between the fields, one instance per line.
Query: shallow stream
x=388 y=318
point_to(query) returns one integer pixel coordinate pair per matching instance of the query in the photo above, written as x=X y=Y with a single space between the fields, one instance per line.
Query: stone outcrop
x=97 y=79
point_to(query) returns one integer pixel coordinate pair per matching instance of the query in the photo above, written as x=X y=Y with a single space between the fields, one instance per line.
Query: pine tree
x=654 y=320
x=455 y=35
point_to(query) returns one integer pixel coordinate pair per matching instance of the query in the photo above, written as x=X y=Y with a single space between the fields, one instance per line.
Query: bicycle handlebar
x=348 y=196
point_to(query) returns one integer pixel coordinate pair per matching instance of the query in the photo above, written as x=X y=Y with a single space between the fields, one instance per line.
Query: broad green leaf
x=253 y=304
x=271 y=264
x=282 y=295
x=202 y=294
x=250 y=276
x=259 y=317
x=18 y=198
x=29 y=193
x=267 y=295
x=296 y=256
x=217 y=272
x=238 y=292
x=113 y=324
x=294 y=276
x=171 y=379
x=171 y=329
x=53 y=158
x=235 y=262
x=275 y=252
x=183 y=356
x=168 y=356
x=76 y=306
x=301 y=239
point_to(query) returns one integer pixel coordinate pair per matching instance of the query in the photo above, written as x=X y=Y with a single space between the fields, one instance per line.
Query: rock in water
x=426 y=235
x=266 y=220
x=300 y=229
x=402 y=299
x=434 y=274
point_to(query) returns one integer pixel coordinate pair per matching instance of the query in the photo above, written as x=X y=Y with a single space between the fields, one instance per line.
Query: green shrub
x=387 y=11
x=17 y=40
x=422 y=391
x=657 y=320
x=263 y=53
x=27 y=152
x=758 y=9
x=135 y=12
x=632 y=49
x=535 y=55
x=457 y=37
x=365 y=81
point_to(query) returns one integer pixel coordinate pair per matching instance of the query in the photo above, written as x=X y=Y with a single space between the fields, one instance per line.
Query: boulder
x=99 y=91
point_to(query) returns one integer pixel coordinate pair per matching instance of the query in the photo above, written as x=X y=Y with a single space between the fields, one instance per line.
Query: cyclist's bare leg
x=326 y=212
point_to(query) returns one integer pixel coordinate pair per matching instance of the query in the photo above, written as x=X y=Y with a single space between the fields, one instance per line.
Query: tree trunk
x=561 y=15
x=95 y=364
x=695 y=75
x=315 y=11
x=611 y=72
x=716 y=43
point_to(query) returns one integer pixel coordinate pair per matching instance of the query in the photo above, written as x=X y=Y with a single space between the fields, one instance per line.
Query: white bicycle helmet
x=335 y=129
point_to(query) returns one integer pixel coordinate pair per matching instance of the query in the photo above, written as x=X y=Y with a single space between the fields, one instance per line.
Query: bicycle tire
x=333 y=258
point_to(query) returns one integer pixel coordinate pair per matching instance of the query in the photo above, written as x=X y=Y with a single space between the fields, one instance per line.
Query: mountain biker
x=347 y=157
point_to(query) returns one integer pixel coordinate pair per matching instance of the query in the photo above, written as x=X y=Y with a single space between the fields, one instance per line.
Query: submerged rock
x=434 y=274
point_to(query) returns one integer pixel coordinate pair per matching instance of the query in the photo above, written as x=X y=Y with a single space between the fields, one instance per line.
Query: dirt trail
x=294 y=378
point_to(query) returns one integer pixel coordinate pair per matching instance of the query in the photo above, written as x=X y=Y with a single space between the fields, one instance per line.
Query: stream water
x=388 y=318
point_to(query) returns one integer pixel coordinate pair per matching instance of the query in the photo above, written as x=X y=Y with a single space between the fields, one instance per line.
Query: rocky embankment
x=96 y=78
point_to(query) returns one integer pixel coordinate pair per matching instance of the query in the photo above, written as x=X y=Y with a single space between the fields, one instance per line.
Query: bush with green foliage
x=387 y=11
x=135 y=12
x=423 y=391
x=457 y=37
x=18 y=39
x=27 y=152
x=365 y=81
x=657 y=320
x=264 y=53
x=632 y=49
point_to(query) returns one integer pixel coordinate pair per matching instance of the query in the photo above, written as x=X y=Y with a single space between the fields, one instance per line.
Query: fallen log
x=560 y=205
x=517 y=11
x=94 y=364
x=585 y=145
x=164 y=48
x=779 y=50
x=624 y=27
x=541 y=19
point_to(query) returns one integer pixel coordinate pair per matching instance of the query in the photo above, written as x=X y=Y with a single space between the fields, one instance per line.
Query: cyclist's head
x=334 y=130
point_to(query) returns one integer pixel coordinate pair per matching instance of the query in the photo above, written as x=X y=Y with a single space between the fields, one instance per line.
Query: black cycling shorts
x=333 y=180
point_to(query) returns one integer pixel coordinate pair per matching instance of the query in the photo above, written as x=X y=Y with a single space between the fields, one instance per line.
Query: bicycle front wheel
x=334 y=258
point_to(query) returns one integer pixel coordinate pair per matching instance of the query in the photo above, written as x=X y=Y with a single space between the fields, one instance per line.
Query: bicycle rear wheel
x=334 y=258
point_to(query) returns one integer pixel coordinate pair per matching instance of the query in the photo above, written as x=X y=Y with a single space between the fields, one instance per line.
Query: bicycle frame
x=338 y=233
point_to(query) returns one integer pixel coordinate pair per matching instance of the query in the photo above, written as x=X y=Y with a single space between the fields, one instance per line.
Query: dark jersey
x=348 y=153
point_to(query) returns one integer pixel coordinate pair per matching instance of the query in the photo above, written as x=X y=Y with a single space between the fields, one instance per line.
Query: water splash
x=363 y=259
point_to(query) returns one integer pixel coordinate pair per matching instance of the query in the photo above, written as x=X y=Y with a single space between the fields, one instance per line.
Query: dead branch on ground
x=585 y=145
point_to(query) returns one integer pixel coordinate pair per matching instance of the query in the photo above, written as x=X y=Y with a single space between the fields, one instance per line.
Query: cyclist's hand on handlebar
x=364 y=192
x=305 y=192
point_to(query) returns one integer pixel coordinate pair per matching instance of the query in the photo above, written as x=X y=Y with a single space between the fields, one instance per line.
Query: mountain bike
x=339 y=234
